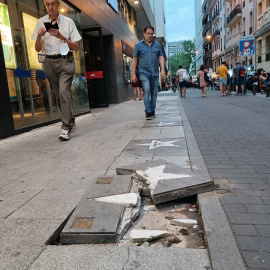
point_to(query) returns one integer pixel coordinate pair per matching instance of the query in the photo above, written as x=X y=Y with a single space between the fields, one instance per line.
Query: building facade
x=207 y=33
x=262 y=34
x=229 y=20
x=110 y=30
x=158 y=8
x=198 y=33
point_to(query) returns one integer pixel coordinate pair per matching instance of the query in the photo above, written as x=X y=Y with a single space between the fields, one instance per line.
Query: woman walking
x=137 y=87
x=202 y=83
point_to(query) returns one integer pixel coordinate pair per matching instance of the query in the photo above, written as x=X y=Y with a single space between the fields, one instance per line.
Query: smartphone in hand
x=49 y=25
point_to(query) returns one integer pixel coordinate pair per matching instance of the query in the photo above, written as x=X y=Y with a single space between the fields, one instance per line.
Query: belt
x=58 y=56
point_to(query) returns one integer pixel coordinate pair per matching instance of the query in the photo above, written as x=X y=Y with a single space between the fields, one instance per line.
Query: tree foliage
x=186 y=59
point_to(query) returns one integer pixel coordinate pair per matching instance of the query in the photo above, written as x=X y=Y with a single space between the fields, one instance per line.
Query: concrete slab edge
x=223 y=250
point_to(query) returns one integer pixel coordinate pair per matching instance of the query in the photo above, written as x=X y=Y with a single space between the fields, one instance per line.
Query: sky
x=180 y=19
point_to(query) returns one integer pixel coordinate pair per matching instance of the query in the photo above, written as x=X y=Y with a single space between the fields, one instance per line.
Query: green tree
x=186 y=59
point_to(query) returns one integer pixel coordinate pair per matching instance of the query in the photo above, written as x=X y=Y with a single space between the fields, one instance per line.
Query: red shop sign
x=94 y=75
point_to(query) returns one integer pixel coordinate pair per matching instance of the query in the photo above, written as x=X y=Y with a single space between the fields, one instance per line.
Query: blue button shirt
x=148 y=57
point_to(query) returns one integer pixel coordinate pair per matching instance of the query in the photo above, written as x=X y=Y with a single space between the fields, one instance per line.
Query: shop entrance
x=95 y=46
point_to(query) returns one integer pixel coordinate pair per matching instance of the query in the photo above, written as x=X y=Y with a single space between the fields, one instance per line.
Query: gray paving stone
x=162 y=124
x=59 y=204
x=253 y=219
x=229 y=199
x=223 y=250
x=22 y=240
x=98 y=222
x=82 y=257
x=264 y=230
x=234 y=208
x=254 y=243
x=153 y=147
x=266 y=200
x=258 y=209
x=258 y=260
x=160 y=258
x=173 y=182
x=245 y=230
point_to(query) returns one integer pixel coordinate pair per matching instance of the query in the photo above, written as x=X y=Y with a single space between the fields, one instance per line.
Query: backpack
x=242 y=73
x=206 y=77
x=185 y=76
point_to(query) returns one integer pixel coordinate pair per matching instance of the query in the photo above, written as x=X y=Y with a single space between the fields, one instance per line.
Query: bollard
x=254 y=89
x=267 y=90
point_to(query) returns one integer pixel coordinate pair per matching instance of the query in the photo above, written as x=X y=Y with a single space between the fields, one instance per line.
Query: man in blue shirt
x=149 y=55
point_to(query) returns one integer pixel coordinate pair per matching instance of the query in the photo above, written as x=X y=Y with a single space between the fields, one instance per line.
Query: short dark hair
x=202 y=67
x=179 y=66
x=223 y=63
x=148 y=27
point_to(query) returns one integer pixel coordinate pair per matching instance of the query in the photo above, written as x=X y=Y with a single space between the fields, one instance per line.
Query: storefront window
x=32 y=99
x=127 y=68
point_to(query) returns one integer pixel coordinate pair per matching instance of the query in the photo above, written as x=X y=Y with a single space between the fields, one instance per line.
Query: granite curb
x=223 y=250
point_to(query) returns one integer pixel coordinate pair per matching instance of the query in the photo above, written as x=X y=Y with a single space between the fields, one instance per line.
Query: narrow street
x=232 y=133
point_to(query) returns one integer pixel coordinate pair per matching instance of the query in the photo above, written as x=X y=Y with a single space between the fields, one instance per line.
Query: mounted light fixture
x=136 y=2
x=62 y=10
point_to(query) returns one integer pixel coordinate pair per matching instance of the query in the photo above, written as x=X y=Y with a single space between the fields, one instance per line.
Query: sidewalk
x=43 y=180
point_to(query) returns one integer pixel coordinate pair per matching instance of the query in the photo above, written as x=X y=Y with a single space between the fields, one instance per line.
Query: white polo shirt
x=51 y=44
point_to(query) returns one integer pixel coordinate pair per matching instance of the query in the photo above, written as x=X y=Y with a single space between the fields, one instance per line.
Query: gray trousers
x=60 y=74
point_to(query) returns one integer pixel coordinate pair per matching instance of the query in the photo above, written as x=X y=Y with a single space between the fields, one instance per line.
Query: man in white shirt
x=59 y=65
x=180 y=79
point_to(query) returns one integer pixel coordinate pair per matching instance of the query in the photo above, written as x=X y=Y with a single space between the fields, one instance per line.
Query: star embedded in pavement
x=154 y=174
x=156 y=144
x=162 y=124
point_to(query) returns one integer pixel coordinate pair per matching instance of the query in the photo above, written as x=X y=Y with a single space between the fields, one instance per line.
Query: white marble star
x=154 y=174
x=156 y=144
x=162 y=124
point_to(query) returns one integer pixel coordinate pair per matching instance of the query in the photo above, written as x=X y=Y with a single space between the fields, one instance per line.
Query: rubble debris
x=169 y=217
x=145 y=192
x=147 y=235
x=174 y=240
x=225 y=191
x=184 y=231
x=195 y=228
x=184 y=222
x=128 y=199
x=145 y=244
x=149 y=208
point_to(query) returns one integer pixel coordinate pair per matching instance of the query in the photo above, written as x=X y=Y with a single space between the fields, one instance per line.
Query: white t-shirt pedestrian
x=52 y=45
x=180 y=74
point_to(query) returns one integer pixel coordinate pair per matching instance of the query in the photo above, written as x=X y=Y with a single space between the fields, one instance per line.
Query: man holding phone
x=58 y=36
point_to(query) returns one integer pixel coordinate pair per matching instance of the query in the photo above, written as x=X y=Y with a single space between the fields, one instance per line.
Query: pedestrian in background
x=222 y=72
x=59 y=65
x=137 y=86
x=263 y=76
x=245 y=79
x=228 y=78
x=202 y=82
x=149 y=54
x=239 y=75
x=180 y=75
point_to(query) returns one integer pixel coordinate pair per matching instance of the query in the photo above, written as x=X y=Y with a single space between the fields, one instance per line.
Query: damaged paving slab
x=125 y=174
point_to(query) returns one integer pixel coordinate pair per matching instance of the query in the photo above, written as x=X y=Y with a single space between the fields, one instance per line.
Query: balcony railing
x=216 y=14
x=268 y=57
x=207 y=55
x=216 y=34
x=250 y=30
x=237 y=10
x=206 y=26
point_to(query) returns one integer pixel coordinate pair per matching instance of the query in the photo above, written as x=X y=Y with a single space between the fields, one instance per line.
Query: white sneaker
x=65 y=135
